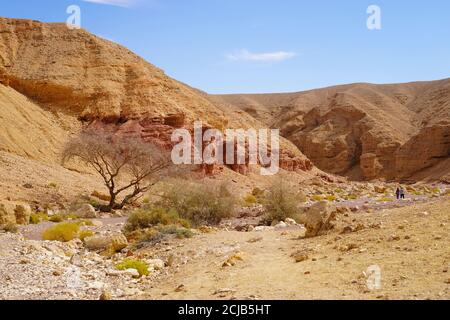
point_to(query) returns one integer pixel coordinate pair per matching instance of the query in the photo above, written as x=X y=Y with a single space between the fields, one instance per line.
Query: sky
x=262 y=46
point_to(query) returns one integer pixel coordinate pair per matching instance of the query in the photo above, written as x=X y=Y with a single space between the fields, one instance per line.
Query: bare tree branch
x=117 y=160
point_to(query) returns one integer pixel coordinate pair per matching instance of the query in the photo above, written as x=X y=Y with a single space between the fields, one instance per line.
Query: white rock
x=156 y=264
x=281 y=225
x=263 y=228
x=96 y=285
x=132 y=272
x=290 y=222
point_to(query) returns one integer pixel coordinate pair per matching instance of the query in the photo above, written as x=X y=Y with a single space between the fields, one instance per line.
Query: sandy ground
x=409 y=245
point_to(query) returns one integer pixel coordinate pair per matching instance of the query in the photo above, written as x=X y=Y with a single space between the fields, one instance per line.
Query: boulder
x=22 y=213
x=156 y=264
x=114 y=242
x=15 y=213
x=7 y=214
x=318 y=218
x=86 y=211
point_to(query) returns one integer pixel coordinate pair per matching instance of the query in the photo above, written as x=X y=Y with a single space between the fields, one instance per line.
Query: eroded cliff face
x=425 y=150
x=90 y=82
x=365 y=132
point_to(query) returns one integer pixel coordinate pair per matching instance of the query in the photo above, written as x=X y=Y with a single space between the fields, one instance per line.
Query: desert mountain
x=364 y=131
x=54 y=81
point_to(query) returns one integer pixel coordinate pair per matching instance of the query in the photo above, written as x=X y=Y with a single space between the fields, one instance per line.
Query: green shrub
x=85 y=222
x=317 y=197
x=201 y=204
x=83 y=234
x=52 y=185
x=38 y=217
x=138 y=265
x=250 y=200
x=94 y=203
x=149 y=236
x=257 y=192
x=352 y=197
x=56 y=218
x=180 y=233
x=435 y=190
x=152 y=216
x=331 y=198
x=63 y=232
x=280 y=202
x=10 y=227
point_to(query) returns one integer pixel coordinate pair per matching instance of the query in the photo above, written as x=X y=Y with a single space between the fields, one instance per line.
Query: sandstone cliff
x=363 y=131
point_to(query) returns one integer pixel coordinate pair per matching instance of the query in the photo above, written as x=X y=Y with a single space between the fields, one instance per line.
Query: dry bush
x=281 y=202
x=120 y=159
x=200 y=203
x=63 y=232
x=152 y=216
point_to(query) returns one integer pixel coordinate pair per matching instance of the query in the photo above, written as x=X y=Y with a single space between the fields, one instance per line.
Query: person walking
x=402 y=193
x=397 y=193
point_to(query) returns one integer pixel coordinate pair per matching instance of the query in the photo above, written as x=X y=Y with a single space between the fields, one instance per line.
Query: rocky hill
x=364 y=131
x=54 y=81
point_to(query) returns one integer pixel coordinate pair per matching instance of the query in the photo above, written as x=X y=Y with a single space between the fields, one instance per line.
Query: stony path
x=414 y=262
x=34 y=231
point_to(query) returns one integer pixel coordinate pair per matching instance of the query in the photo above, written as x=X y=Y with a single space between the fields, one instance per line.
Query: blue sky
x=250 y=46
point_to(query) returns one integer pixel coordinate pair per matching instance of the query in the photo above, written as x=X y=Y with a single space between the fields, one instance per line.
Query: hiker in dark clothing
x=397 y=193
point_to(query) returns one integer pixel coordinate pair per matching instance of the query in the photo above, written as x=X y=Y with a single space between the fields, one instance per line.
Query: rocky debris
x=223 y=292
x=347 y=247
x=180 y=288
x=318 y=218
x=105 y=296
x=353 y=228
x=233 y=259
x=256 y=210
x=394 y=238
x=255 y=239
x=47 y=270
x=300 y=256
x=263 y=228
x=155 y=264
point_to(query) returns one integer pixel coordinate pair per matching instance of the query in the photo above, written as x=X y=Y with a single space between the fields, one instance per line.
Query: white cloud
x=245 y=55
x=118 y=3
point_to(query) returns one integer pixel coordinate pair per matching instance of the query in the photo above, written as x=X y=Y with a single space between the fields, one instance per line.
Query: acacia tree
x=128 y=166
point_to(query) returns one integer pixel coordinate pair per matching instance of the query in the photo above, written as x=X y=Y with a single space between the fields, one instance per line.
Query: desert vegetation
x=116 y=159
